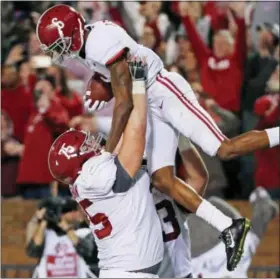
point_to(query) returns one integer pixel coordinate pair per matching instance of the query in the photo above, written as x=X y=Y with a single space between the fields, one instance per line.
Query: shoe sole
x=240 y=250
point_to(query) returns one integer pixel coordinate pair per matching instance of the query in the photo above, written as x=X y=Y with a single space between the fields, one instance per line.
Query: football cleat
x=234 y=239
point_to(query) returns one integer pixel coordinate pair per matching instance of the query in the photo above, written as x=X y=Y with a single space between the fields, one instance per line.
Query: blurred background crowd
x=228 y=52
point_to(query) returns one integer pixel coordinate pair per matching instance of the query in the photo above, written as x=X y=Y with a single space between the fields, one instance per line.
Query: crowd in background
x=228 y=52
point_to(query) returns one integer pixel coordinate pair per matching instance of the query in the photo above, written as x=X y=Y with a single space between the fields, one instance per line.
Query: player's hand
x=92 y=107
x=137 y=68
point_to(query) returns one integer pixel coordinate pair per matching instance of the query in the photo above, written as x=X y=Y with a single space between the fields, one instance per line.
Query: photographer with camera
x=54 y=237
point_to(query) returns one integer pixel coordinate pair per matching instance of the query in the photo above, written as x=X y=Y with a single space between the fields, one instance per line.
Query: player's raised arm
x=122 y=86
x=133 y=143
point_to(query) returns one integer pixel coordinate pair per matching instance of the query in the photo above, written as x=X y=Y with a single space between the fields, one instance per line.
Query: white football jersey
x=176 y=261
x=106 y=41
x=122 y=214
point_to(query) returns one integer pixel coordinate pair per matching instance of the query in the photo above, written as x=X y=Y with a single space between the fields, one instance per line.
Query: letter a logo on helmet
x=59 y=24
x=70 y=151
x=60 y=31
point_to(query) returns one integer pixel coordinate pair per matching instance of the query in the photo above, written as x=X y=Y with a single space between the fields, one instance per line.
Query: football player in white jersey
x=114 y=192
x=173 y=107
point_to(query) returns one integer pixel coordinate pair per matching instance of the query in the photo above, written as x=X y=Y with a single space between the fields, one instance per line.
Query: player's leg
x=193 y=114
x=196 y=172
x=161 y=148
x=187 y=116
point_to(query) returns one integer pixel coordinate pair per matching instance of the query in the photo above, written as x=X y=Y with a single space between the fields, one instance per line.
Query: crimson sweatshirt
x=221 y=78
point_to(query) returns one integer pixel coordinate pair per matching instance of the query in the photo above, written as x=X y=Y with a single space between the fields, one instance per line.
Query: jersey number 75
x=99 y=218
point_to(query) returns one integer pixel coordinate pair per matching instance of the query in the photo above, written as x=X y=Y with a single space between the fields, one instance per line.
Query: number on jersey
x=99 y=218
x=169 y=218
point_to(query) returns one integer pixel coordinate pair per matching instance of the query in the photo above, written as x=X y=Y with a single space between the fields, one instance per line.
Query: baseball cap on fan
x=272 y=28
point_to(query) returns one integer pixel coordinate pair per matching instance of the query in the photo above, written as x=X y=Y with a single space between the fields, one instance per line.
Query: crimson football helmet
x=60 y=31
x=70 y=151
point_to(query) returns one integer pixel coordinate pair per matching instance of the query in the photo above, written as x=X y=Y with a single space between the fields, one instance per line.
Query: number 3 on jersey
x=169 y=218
x=98 y=218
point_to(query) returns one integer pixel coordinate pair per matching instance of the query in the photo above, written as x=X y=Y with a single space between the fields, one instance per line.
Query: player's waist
x=159 y=74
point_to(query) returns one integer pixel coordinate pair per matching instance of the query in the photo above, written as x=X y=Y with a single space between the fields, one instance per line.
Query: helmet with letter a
x=70 y=151
x=60 y=31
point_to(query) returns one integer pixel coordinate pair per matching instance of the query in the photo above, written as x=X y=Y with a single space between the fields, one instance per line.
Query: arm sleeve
x=113 y=45
x=98 y=176
x=240 y=49
x=123 y=180
x=199 y=48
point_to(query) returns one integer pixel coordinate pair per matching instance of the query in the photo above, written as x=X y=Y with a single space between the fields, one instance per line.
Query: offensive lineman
x=114 y=192
x=173 y=107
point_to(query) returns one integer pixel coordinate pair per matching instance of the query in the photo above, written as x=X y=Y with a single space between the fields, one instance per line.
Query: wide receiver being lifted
x=172 y=106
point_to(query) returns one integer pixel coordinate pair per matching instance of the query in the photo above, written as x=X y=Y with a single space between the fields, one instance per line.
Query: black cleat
x=234 y=239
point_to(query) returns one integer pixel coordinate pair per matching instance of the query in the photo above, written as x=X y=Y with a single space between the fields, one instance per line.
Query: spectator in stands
x=188 y=62
x=54 y=237
x=27 y=76
x=259 y=68
x=177 y=69
x=33 y=45
x=48 y=120
x=15 y=100
x=267 y=168
x=69 y=99
x=207 y=251
x=148 y=38
x=11 y=151
x=217 y=12
x=264 y=11
x=195 y=12
x=221 y=70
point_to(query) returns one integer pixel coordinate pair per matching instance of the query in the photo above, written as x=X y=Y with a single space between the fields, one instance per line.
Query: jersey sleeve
x=97 y=177
x=106 y=44
x=123 y=180
x=103 y=177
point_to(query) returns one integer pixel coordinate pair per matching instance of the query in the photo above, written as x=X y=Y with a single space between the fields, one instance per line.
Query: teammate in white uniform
x=176 y=261
x=173 y=107
x=114 y=192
